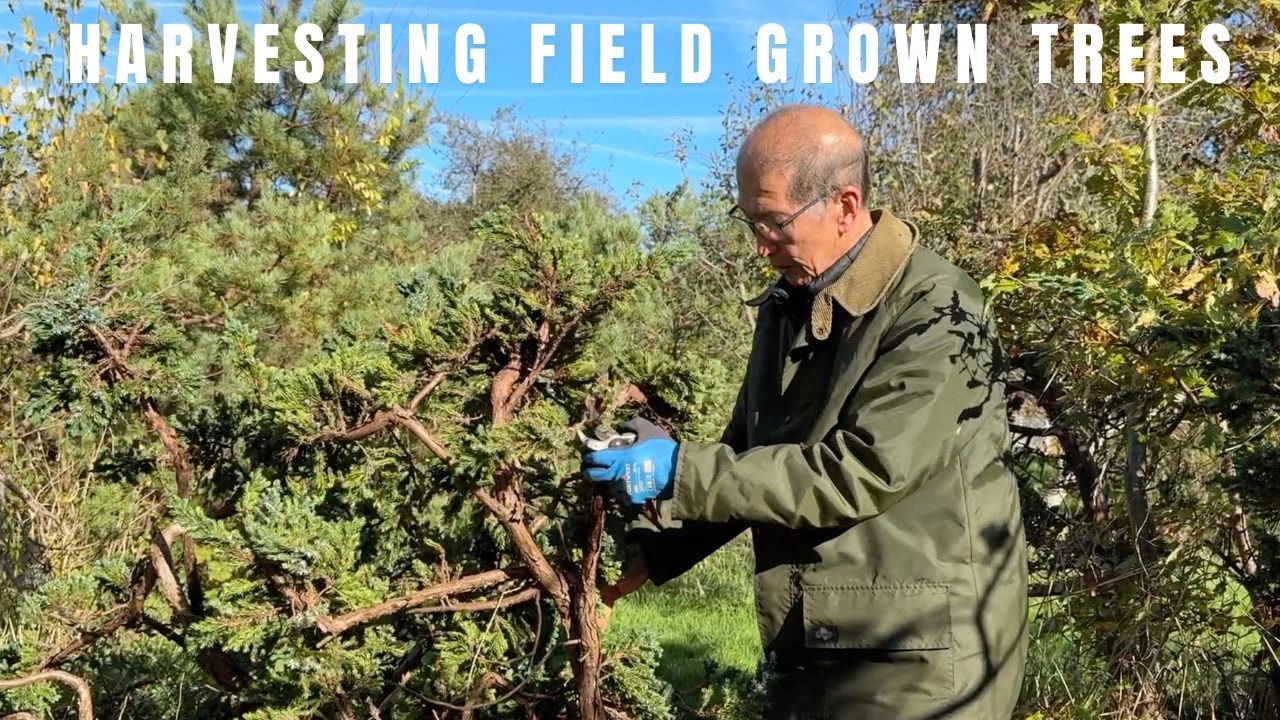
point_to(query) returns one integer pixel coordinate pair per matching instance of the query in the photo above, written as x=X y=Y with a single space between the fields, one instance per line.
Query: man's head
x=802 y=179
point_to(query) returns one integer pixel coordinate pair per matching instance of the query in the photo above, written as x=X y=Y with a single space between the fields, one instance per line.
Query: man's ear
x=850 y=199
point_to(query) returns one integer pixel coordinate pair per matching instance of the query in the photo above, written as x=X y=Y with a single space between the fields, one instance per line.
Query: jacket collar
x=863 y=285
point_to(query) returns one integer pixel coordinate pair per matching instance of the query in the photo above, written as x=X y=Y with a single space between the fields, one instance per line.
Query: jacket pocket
x=907 y=626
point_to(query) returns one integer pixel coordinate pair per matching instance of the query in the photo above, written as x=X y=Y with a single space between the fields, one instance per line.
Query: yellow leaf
x=1267 y=289
x=1147 y=317
x=1188 y=281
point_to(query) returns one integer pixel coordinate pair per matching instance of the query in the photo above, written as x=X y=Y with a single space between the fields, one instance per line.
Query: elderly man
x=865 y=455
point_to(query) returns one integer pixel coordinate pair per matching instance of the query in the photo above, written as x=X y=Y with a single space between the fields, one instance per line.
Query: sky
x=624 y=130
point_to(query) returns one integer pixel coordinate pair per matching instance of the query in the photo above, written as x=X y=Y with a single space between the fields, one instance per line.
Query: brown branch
x=14 y=329
x=27 y=498
x=381 y=420
x=587 y=624
x=501 y=603
x=19 y=716
x=1135 y=490
x=407 y=419
x=427 y=389
x=336 y=625
x=169 y=437
x=591 y=553
x=543 y=571
x=83 y=696
x=502 y=389
x=144 y=579
x=127 y=348
x=1238 y=523
x=118 y=360
x=162 y=561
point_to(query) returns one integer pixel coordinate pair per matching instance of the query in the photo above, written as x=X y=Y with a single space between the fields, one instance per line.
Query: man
x=864 y=454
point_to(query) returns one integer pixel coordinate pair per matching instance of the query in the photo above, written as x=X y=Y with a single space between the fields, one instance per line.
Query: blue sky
x=625 y=129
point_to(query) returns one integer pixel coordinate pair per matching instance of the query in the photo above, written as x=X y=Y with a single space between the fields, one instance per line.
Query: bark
x=1077 y=458
x=1140 y=523
x=84 y=698
x=1239 y=524
x=1135 y=489
x=339 y=624
x=146 y=574
x=586 y=625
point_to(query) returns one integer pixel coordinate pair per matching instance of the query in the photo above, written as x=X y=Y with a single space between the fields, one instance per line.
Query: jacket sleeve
x=672 y=550
x=907 y=419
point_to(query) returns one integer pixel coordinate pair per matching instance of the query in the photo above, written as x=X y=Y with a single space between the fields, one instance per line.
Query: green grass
x=705 y=621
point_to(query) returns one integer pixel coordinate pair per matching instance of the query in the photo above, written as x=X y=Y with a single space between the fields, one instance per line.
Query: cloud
x=22 y=95
x=656 y=159
x=665 y=124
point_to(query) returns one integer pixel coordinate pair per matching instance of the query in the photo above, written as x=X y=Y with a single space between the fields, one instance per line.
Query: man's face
x=801 y=250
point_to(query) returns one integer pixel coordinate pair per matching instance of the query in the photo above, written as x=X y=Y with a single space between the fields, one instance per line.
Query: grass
x=705 y=621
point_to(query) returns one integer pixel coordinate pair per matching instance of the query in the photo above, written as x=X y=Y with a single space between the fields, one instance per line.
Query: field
x=705 y=621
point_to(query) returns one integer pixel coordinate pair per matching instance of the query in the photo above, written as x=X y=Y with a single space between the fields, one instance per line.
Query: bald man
x=865 y=455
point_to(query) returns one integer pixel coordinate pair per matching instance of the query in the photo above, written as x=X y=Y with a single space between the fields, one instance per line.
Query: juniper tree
x=258 y=466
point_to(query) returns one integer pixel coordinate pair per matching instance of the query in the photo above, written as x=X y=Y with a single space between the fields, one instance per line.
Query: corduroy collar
x=865 y=282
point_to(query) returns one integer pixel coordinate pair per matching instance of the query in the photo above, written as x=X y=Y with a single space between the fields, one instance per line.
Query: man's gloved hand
x=646 y=467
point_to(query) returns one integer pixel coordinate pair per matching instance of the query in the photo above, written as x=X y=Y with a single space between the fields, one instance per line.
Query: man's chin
x=795 y=275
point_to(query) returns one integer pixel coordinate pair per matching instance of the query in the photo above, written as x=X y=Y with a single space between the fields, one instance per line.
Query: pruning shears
x=610 y=441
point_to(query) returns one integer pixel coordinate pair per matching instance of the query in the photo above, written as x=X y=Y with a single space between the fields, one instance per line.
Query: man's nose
x=764 y=248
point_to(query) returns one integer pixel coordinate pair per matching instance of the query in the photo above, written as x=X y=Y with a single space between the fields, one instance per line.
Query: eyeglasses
x=768 y=229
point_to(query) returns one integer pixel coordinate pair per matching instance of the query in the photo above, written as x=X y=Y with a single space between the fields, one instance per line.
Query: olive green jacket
x=866 y=456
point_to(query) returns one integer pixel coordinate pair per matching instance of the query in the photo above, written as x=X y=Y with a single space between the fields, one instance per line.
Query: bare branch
x=162 y=560
x=407 y=419
x=83 y=697
x=381 y=420
x=336 y=625
x=27 y=498
x=14 y=329
x=527 y=547
x=426 y=390
x=502 y=603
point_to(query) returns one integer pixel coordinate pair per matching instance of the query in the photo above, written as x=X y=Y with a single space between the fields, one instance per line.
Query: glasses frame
x=767 y=229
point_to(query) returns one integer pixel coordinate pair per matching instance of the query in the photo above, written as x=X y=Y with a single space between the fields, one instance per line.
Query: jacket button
x=825 y=634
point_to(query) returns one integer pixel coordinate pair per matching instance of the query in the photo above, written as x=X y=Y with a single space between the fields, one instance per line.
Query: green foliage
x=218 y=292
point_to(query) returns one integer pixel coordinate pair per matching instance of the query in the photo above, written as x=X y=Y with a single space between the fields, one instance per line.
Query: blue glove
x=645 y=467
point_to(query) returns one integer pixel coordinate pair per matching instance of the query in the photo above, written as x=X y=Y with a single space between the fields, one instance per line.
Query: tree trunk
x=586 y=629
x=1135 y=493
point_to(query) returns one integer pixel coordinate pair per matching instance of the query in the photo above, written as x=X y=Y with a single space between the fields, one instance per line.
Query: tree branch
x=14 y=329
x=1033 y=431
x=144 y=575
x=381 y=420
x=162 y=561
x=338 y=624
x=527 y=547
x=407 y=419
x=27 y=498
x=427 y=389
x=519 y=598
x=83 y=697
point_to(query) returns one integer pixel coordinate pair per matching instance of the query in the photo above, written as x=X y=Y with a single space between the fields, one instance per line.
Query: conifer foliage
x=266 y=456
